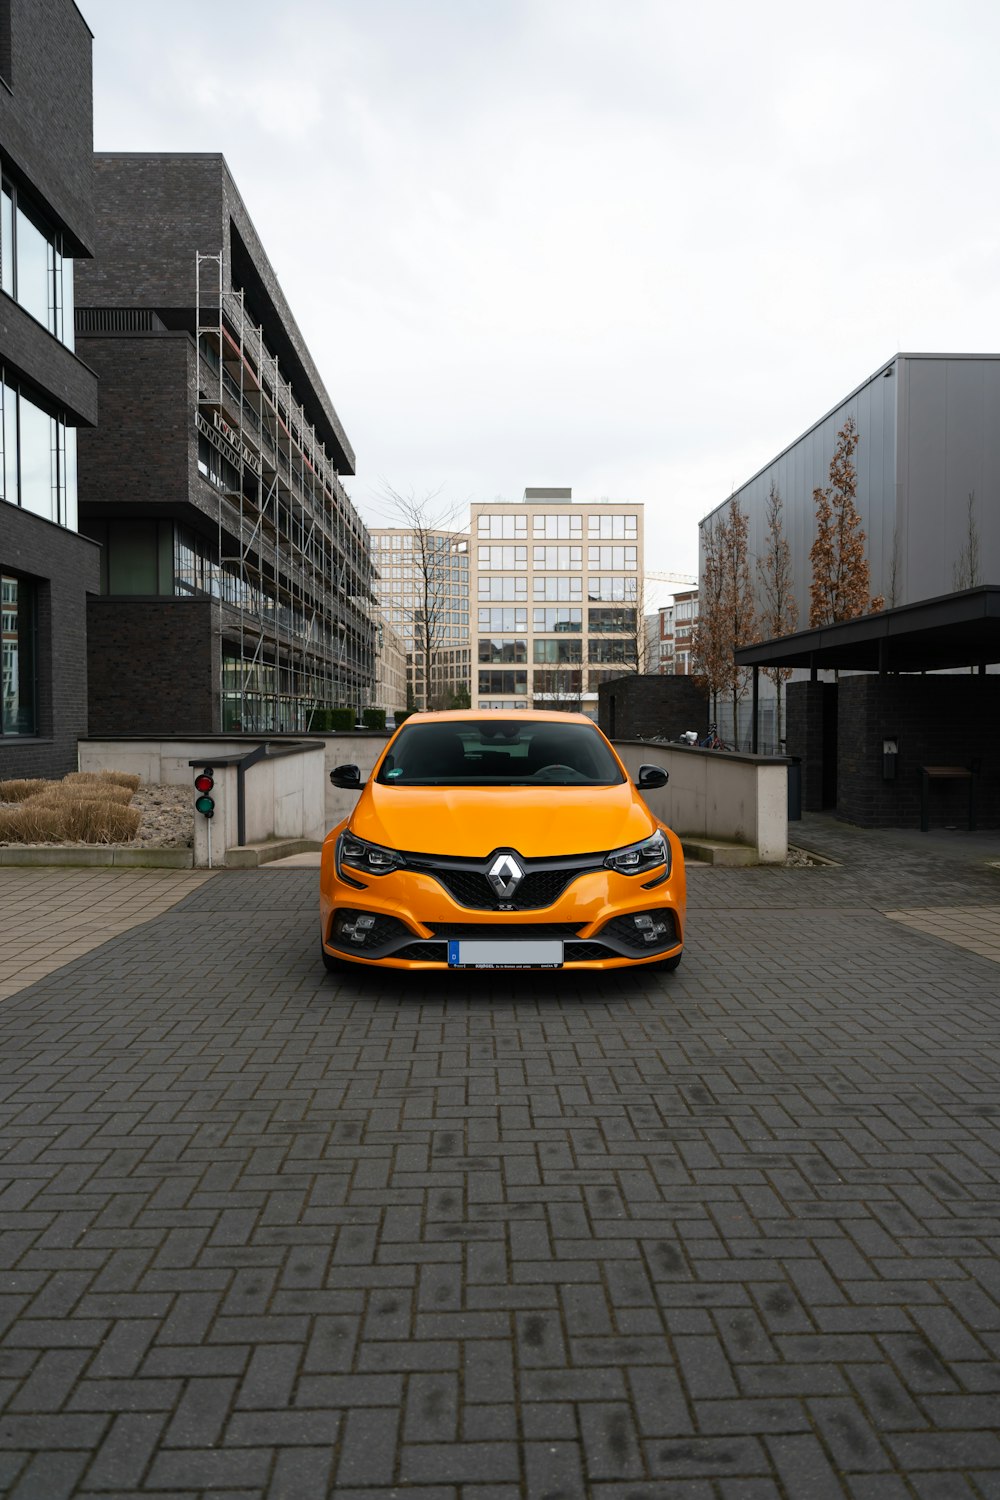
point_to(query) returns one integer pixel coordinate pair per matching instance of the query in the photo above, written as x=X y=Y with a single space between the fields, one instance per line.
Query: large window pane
x=17 y=666
x=33 y=280
x=7 y=242
x=36 y=443
x=132 y=557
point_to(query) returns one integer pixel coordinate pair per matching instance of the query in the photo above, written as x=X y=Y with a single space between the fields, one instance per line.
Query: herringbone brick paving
x=729 y=1234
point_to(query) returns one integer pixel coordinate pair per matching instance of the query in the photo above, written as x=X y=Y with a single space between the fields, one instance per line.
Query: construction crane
x=682 y=578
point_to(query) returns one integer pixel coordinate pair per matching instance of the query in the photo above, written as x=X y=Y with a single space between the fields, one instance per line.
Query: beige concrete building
x=390 y=669
x=426 y=573
x=556 y=596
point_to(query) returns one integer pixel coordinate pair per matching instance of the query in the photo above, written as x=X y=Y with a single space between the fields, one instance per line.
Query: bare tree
x=780 y=614
x=965 y=574
x=738 y=606
x=432 y=545
x=708 y=654
x=840 y=574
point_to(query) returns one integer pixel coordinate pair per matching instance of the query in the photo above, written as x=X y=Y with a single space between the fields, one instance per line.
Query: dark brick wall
x=31 y=351
x=646 y=706
x=63 y=568
x=46 y=114
x=46 y=140
x=806 y=706
x=939 y=720
x=154 y=212
x=154 y=666
x=144 y=452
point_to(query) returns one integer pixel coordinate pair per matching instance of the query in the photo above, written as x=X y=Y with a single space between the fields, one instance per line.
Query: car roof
x=475 y=716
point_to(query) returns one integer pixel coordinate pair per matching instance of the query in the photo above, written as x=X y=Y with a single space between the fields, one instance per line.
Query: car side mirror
x=349 y=777
x=651 y=776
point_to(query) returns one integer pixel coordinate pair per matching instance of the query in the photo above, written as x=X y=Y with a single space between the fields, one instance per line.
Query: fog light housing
x=653 y=931
x=355 y=927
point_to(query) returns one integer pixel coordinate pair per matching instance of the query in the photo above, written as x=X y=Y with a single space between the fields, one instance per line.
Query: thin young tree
x=840 y=574
x=780 y=612
x=708 y=656
x=738 y=605
x=429 y=615
x=965 y=574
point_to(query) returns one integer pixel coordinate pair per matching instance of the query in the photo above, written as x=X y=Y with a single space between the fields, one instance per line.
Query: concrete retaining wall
x=711 y=794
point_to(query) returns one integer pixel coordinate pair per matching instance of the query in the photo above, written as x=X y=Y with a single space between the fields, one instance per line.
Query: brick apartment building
x=235 y=588
x=47 y=392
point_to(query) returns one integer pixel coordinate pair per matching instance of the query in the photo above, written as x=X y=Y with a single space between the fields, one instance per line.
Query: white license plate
x=464 y=953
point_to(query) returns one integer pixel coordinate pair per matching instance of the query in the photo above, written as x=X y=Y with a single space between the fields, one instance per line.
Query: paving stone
x=729 y=1234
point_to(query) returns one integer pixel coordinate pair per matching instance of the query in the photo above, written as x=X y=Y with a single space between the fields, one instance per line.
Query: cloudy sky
x=632 y=246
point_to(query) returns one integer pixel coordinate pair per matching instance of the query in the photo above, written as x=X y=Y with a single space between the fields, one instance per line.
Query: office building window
x=560 y=682
x=558 y=557
x=620 y=650
x=503 y=528
x=38 y=462
x=502 y=651
x=503 y=557
x=557 y=653
x=565 y=620
x=612 y=528
x=503 y=588
x=610 y=621
x=612 y=590
x=558 y=528
x=504 y=682
x=33 y=269
x=17 y=656
x=499 y=620
x=611 y=557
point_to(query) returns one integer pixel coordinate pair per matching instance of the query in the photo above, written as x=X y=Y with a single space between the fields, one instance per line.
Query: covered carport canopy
x=955 y=630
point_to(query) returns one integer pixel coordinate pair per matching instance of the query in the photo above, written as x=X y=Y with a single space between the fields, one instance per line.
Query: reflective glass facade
x=17 y=656
x=38 y=461
x=33 y=269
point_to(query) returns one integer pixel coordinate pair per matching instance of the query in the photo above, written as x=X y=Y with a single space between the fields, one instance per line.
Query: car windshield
x=499 y=752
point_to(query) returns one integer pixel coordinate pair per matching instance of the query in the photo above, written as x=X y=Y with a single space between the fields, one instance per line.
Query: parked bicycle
x=711 y=740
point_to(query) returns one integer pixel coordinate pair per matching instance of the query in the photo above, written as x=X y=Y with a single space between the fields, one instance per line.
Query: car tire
x=668 y=965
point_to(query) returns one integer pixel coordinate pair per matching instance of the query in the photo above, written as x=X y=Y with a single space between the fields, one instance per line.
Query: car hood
x=471 y=822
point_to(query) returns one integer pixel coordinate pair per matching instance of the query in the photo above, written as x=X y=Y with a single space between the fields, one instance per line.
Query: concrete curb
x=98 y=856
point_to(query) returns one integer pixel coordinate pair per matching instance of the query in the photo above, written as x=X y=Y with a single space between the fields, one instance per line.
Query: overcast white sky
x=632 y=246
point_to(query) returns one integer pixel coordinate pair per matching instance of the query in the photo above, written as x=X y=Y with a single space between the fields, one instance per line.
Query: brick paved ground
x=726 y=1235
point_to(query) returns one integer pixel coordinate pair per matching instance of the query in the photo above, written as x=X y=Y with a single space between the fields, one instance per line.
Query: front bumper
x=408 y=918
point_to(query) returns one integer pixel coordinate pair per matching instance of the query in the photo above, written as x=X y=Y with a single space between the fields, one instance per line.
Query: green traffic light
x=204 y=805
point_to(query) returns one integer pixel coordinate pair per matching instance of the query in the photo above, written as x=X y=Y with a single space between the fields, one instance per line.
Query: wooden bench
x=945 y=773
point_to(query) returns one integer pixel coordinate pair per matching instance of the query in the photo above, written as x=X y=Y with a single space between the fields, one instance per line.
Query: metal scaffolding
x=293 y=576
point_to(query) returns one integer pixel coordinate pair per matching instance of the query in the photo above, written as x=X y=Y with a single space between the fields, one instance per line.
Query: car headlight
x=637 y=859
x=372 y=859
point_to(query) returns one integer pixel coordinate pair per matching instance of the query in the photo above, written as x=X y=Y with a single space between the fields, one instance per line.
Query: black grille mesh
x=505 y=932
x=538 y=888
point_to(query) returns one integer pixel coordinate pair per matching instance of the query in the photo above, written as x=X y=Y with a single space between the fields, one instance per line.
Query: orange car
x=501 y=841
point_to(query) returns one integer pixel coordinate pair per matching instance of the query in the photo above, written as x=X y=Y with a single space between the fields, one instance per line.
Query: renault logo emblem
x=505 y=875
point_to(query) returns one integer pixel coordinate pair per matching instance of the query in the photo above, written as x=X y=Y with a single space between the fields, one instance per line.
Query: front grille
x=582 y=953
x=538 y=888
x=428 y=953
x=625 y=930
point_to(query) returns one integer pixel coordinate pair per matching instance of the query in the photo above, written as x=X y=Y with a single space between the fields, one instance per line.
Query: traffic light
x=203 y=784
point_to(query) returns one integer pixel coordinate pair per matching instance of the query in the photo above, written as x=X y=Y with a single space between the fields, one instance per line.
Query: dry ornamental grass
x=87 y=807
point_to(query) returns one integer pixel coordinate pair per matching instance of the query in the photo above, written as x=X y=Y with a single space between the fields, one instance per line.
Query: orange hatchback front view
x=493 y=840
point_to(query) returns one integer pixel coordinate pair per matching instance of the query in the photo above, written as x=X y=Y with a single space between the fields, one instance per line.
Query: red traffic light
x=203 y=784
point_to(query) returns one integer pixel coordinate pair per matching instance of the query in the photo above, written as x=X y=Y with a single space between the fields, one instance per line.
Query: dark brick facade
x=143 y=459
x=154 y=666
x=937 y=720
x=46 y=144
x=63 y=567
x=648 y=706
x=155 y=213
